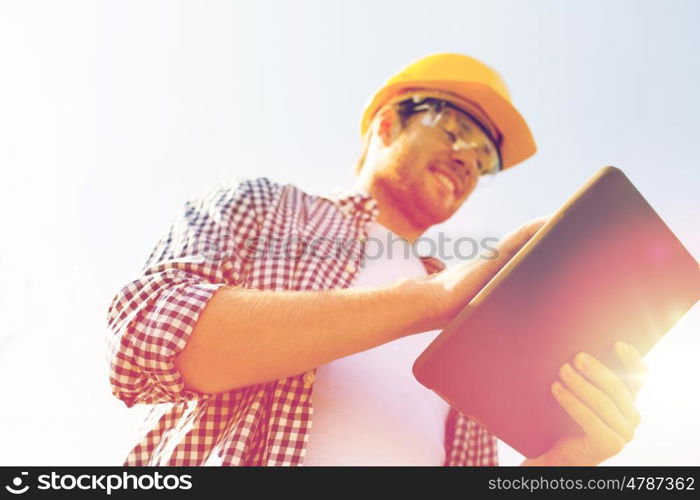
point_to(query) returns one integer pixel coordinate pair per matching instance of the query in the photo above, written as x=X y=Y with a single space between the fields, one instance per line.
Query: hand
x=601 y=403
x=454 y=287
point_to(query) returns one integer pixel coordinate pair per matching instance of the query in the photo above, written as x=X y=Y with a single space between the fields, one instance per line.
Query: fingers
x=516 y=239
x=635 y=368
x=609 y=442
x=597 y=401
x=534 y=225
x=610 y=384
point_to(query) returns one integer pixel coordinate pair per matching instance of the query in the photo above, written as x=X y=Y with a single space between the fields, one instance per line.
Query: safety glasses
x=457 y=127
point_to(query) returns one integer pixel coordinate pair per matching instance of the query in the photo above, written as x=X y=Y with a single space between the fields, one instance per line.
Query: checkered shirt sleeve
x=151 y=318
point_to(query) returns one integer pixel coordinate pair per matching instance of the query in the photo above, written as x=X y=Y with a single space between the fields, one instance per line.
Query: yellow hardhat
x=465 y=81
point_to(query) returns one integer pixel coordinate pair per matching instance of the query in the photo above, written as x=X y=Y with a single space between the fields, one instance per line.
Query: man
x=235 y=341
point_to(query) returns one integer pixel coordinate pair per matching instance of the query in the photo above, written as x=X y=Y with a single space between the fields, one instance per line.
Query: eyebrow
x=463 y=123
x=462 y=119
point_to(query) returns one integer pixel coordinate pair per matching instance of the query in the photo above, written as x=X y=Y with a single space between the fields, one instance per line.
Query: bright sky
x=115 y=113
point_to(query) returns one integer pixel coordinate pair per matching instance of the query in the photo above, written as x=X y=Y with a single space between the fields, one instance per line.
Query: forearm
x=248 y=336
x=244 y=336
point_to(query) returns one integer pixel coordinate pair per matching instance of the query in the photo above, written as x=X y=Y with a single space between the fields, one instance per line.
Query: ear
x=387 y=125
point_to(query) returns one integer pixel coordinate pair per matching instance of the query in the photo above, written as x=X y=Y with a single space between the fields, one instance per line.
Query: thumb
x=515 y=240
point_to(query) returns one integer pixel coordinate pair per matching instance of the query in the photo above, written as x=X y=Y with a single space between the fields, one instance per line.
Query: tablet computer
x=604 y=267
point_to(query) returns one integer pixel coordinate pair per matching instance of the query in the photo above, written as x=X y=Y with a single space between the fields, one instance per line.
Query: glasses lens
x=463 y=131
x=468 y=133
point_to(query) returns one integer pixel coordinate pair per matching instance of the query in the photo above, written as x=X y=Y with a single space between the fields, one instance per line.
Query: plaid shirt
x=208 y=246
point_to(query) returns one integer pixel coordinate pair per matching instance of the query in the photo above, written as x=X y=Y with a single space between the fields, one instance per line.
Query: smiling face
x=423 y=168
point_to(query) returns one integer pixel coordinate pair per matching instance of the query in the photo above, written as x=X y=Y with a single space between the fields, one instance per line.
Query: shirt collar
x=355 y=202
x=432 y=264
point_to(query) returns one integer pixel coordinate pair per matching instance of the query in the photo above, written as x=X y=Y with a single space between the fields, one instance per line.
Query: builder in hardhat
x=269 y=359
x=451 y=116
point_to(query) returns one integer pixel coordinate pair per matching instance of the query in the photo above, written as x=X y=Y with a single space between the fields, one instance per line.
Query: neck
x=389 y=215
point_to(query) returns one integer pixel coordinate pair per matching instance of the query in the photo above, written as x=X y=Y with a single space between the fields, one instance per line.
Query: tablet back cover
x=605 y=267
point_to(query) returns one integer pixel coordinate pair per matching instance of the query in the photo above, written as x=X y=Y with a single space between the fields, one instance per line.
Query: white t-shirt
x=368 y=409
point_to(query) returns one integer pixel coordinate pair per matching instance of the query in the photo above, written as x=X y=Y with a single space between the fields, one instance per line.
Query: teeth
x=446 y=181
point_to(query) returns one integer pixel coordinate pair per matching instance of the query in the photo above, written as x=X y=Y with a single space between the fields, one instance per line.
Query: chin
x=442 y=217
x=434 y=212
